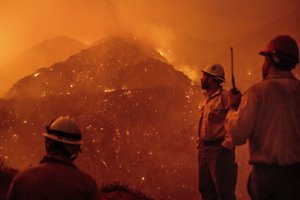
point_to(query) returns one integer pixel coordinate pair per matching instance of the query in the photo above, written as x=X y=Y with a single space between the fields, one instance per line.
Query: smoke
x=190 y=34
x=26 y=23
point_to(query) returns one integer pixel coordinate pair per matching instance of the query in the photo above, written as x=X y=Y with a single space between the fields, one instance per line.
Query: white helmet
x=65 y=130
x=215 y=70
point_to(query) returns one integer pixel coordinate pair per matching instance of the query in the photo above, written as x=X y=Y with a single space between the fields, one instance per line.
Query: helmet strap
x=73 y=150
x=74 y=156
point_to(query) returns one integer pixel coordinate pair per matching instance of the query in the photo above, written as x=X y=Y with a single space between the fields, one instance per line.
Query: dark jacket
x=53 y=179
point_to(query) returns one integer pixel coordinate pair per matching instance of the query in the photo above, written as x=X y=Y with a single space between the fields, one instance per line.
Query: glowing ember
x=36 y=74
x=109 y=90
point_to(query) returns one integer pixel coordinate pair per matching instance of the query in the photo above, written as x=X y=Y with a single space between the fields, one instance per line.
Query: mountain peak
x=43 y=54
x=113 y=63
x=128 y=42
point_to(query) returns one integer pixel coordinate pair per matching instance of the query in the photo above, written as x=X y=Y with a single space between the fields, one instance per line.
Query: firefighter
x=216 y=154
x=56 y=177
x=269 y=118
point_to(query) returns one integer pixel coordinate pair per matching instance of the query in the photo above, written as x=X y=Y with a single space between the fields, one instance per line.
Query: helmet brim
x=217 y=77
x=263 y=53
x=286 y=57
x=62 y=140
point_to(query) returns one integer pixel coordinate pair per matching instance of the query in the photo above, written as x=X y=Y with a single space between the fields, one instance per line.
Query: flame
x=109 y=90
x=166 y=53
x=187 y=70
x=36 y=74
x=113 y=89
x=161 y=52
x=192 y=74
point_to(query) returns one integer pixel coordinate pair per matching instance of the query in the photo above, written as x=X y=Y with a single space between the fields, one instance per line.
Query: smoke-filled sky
x=26 y=23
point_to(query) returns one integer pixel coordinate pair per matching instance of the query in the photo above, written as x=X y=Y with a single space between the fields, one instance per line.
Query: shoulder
x=86 y=177
x=89 y=182
x=257 y=87
x=224 y=97
x=23 y=173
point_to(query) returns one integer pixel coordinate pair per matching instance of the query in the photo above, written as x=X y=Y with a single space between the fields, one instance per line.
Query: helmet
x=64 y=129
x=282 y=47
x=215 y=70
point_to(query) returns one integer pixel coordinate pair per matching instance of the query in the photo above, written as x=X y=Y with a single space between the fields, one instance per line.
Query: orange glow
x=189 y=33
x=190 y=72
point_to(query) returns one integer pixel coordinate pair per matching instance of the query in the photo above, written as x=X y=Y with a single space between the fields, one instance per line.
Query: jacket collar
x=57 y=159
x=280 y=75
x=216 y=93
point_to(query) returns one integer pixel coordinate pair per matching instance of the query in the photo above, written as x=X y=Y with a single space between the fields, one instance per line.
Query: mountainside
x=48 y=52
x=111 y=65
x=132 y=107
x=137 y=113
x=41 y=55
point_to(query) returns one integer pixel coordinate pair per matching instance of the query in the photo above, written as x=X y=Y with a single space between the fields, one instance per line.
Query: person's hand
x=235 y=97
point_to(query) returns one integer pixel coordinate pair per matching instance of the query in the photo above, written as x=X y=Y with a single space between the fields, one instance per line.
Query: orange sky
x=26 y=23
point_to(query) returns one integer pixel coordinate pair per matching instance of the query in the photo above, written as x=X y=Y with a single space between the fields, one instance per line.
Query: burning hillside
x=43 y=54
x=112 y=64
x=133 y=108
x=137 y=113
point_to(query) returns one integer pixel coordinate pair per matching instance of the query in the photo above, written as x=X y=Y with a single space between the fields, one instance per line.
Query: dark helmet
x=282 y=48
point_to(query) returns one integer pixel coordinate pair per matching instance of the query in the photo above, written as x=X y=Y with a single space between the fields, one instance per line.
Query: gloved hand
x=235 y=97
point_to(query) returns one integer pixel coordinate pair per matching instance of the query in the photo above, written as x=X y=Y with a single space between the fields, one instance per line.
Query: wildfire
x=166 y=53
x=161 y=52
x=112 y=89
x=189 y=72
x=109 y=90
x=36 y=74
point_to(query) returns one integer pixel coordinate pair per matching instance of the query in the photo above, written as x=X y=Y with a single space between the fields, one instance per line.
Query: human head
x=213 y=76
x=282 y=52
x=63 y=137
